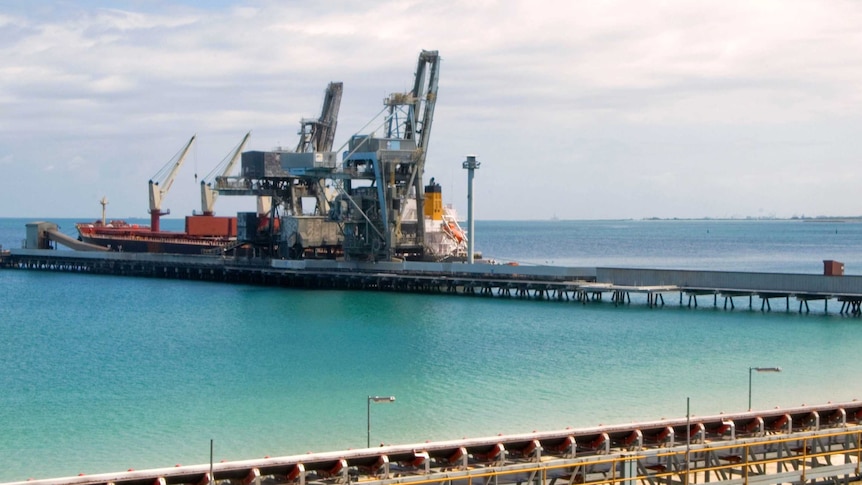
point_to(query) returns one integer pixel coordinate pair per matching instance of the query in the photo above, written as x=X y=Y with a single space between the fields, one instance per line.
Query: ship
x=119 y=235
x=204 y=233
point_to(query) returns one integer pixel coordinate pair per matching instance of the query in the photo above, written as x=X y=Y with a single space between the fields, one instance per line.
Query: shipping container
x=203 y=225
x=833 y=268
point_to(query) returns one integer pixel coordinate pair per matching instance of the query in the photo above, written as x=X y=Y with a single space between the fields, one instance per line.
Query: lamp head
x=766 y=369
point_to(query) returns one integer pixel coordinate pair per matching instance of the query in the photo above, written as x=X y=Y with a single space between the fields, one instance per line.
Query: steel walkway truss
x=830 y=456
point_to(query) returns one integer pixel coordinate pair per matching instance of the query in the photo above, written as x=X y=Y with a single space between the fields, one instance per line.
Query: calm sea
x=103 y=374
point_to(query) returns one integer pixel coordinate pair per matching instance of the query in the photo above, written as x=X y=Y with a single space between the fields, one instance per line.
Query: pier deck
x=582 y=284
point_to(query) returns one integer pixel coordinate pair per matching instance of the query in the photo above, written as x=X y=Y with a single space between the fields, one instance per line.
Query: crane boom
x=420 y=102
x=318 y=135
x=223 y=169
x=420 y=128
x=161 y=183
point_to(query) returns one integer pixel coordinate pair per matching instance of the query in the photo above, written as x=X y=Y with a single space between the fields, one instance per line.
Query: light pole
x=687 y=439
x=375 y=399
x=470 y=165
x=758 y=369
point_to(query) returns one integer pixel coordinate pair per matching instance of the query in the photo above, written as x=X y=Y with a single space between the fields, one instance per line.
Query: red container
x=211 y=226
x=833 y=268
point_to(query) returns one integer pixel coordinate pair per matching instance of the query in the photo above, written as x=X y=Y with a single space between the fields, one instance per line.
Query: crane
x=418 y=125
x=315 y=136
x=161 y=183
x=318 y=136
x=208 y=194
x=393 y=167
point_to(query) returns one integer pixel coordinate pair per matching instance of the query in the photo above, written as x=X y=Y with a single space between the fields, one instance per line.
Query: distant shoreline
x=840 y=219
x=834 y=219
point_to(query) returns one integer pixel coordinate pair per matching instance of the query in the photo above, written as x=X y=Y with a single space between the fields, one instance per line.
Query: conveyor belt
x=72 y=243
x=775 y=446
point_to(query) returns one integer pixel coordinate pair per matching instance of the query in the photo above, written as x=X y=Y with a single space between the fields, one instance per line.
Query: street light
x=687 y=439
x=470 y=165
x=758 y=369
x=375 y=399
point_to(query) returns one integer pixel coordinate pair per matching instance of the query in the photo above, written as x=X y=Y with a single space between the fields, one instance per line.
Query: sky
x=575 y=109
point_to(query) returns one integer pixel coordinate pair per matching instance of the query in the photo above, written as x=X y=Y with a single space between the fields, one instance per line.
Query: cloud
x=672 y=101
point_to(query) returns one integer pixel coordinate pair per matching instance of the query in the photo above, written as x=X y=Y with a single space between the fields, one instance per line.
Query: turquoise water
x=103 y=374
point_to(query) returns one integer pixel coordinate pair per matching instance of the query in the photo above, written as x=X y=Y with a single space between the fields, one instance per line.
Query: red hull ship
x=203 y=235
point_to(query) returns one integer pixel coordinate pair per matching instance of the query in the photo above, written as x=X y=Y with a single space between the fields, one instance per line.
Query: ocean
x=104 y=374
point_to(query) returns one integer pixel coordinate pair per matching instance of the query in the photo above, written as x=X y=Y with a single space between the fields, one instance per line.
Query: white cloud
x=680 y=105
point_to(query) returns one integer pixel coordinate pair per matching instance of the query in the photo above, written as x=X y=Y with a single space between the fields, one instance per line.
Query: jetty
x=808 y=444
x=549 y=283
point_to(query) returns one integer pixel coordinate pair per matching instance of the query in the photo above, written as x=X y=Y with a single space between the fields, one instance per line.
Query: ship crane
x=104 y=203
x=223 y=169
x=161 y=183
